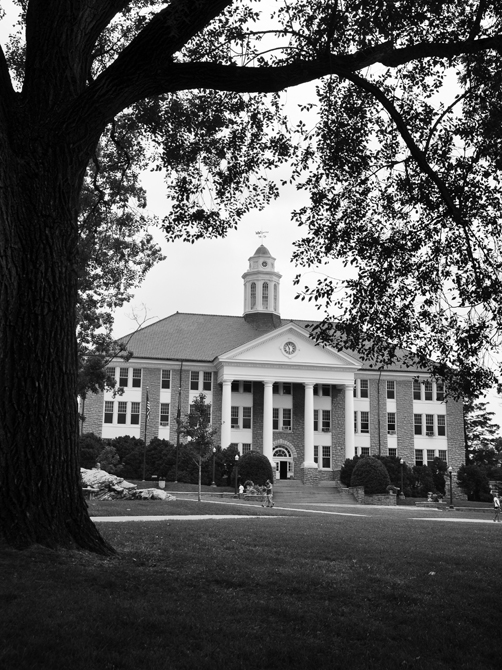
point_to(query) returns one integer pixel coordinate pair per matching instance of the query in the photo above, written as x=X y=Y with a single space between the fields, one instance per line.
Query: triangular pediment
x=289 y=345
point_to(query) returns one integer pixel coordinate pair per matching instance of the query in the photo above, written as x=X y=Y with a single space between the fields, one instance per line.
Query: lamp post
x=236 y=474
x=450 y=473
x=402 y=476
x=213 y=483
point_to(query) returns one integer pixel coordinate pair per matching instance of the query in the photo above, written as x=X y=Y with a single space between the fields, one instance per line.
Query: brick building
x=271 y=389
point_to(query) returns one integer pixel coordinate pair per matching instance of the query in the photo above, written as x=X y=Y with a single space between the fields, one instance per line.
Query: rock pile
x=111 y=487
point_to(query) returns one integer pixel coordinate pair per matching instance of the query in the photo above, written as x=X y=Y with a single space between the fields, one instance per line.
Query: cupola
x=262 y=290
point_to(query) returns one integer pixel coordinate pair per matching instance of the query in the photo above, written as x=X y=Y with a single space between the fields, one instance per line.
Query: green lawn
x=281 y=590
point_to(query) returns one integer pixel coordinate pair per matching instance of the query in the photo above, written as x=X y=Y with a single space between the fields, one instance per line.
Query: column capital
x=309 y=384
x=267 y=383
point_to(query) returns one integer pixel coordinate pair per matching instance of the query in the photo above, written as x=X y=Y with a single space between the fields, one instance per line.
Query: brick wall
x=258 y=394
x=150 y=380
x=456 y=444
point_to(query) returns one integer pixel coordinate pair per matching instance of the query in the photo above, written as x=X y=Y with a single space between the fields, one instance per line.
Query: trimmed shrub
x=347 y=469
x=109 y=460
x=256 y=467
x=370 y=473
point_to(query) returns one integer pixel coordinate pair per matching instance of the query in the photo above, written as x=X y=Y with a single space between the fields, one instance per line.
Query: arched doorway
x=284 y=463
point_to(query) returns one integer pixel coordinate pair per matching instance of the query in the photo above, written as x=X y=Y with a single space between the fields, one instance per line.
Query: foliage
x=347 y=469
x=90 y=446
x=256 y=467
x=109 y=460
x=422 y=481
x=473 y=480
x=482 y=435
x=370 y=473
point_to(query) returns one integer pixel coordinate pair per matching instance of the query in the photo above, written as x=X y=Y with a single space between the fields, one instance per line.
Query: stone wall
x=378 y=416
x=93 y=412
x=404 y=419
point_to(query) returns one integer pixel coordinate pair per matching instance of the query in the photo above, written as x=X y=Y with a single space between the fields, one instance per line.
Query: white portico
x=278 y=360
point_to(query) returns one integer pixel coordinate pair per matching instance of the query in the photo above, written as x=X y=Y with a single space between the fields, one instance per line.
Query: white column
x=349 y=421
x=308 y=420
x=226 y=404
x=267 y=421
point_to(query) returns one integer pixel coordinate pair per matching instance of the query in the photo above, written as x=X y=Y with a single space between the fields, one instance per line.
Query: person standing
x=496 y=506
x=269 y=492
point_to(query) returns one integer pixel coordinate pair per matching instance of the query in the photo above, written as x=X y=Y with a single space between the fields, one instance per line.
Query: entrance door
x=283 y=469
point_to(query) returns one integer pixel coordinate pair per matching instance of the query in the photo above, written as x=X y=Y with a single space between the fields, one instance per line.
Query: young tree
x=183 y=72
x=196 y=427
x=481 y=434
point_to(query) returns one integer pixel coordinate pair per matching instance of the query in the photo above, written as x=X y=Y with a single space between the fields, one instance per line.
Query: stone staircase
x=294 y=491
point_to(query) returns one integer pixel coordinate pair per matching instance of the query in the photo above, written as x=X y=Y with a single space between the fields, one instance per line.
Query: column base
x=310 y=474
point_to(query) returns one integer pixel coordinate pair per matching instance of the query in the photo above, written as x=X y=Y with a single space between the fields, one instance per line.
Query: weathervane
x=262 y=234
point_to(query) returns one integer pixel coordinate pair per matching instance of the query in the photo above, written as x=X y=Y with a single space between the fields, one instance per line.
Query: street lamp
x=450 y=472
x=213 y=483
x=236 y=474
x=402 y=477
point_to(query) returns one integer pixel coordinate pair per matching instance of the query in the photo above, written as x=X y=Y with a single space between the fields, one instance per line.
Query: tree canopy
x=403 y=184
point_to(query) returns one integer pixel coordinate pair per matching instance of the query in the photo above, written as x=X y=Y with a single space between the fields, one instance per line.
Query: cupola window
x=264 y=295
x=253 y=295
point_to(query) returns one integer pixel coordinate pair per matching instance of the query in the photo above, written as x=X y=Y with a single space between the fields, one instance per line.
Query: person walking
x=269 y=492
x=496 y=506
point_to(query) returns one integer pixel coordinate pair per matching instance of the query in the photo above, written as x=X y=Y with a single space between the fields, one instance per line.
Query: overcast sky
x=206 y=277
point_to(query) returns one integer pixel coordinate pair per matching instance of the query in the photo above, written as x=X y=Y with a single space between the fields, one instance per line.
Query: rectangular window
x=110 y=372
x=441 y=424
x=391 y=390
x=164 y=413
x=365 y=451
x=316 y=454
x=234 y=417
x=428 y=390
x=392 y=451
x=316 y=419
x=124 y=377
x=275 y=418
x=235 y=386
x=316 y=389
x=166 y=379
x=429 y=425
x=417 y=420
x=326 y=457
x=442 y=454
x=326 y=420
x=355 y=422
x=326 y=390
x=419 y=457
x=246 y=417
x=430 y=456
x=122 y=412
x=439 y=391
x=109 y=411
x=247 y=387
x=364 y=388
x=246 y=447
x=207 y=383
x=135 y=412
x=194 y=381
x=275 y=388
x=136 y=378
x=286 y=419
x=365 y=422
x=417 y=390
x=391 y=423
x=286 y=389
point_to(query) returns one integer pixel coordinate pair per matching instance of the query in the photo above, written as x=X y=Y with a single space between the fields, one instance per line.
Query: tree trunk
x=41 y=499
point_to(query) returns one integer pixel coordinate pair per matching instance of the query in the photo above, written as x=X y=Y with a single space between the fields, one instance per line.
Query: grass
x=295 y=591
